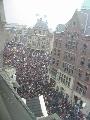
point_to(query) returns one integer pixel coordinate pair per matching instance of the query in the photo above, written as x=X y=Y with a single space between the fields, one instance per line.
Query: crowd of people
x=33 y=78
x=58 y=102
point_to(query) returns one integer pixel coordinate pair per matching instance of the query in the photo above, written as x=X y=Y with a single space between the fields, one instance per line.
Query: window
x=60 y=44
x=54 y=72
x=53 y=61
x=65 y=69
x=82 y=61
x=88 y=63
x=81 y=89
x=12 y=76
x=64 y=76
x=72 y=71
x=61 y=80
x=57 y=63
x=69 y=79
x=84 y=46
x=68 y=83
x=60 y=73
x=63 y=65
x=64 y=81
x=68 y=70
x=80 y=73
x=77 y=88
x=54 y=51
x=39 y=32
x=87 y=76
x=74 y=23
x=58 y=53
x=59 y=77
x=66 y=45
x=55 y=43
x=72 y=36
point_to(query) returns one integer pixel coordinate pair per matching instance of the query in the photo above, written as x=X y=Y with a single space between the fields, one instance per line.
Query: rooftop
x=41 y=24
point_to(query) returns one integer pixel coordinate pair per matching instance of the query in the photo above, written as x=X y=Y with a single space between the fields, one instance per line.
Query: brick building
x=70 y=66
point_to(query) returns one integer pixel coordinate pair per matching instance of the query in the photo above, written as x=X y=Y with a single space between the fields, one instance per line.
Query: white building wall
x=67 y=89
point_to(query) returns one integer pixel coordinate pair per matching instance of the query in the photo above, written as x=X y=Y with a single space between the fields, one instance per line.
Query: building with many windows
x=70 y=66
x=40 y=38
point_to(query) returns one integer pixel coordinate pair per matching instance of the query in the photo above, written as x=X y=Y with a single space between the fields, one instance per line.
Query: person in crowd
x=32 y=76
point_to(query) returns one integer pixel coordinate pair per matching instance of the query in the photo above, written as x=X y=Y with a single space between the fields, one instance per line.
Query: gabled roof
x=82 y=17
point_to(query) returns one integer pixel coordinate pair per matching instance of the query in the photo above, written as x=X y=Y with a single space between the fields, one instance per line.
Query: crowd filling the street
x=33 y=77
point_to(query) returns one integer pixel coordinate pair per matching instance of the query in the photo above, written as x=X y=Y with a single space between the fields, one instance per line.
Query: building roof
x=40 y=24
x=13 y=108
x=35 y=107
x=51 y=117
x=82 y=21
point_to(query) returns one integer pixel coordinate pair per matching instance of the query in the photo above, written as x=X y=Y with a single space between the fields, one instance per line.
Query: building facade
x=40 y=38
x=70 y=66
x=2 y=13
x=4 y=35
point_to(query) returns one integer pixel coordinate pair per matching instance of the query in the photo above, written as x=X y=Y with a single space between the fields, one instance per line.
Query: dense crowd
x=58 y=102
x=32 y=76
